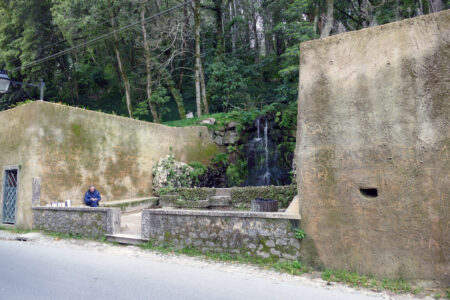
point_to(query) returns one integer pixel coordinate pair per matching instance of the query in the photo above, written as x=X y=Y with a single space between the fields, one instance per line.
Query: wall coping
x=220 y=213
x=87 y=208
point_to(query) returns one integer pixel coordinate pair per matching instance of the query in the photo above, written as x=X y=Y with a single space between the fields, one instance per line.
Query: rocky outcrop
x=227 y=135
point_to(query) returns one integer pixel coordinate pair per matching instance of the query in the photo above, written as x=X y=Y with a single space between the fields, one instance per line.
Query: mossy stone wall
x=270 y=236
x=87 y=222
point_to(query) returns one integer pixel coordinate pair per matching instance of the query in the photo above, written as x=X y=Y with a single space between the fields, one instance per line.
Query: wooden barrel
x=264 y=205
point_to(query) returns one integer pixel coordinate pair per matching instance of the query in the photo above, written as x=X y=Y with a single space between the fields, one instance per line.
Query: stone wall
x=85 y=221
x=373 y=149
x=265 y=235
x=18 y=147
x=68 y=149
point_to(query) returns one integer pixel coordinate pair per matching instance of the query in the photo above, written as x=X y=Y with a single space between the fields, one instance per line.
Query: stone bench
x=132 y=205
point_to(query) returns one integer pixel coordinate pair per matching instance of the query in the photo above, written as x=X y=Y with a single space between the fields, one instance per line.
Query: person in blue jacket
x=92 y=197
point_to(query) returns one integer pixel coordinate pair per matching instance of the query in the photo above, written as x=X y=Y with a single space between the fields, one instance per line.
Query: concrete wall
x=266 y=235
x=71 y=148
x=85 y=221
x=18 y=147
x=374 y=113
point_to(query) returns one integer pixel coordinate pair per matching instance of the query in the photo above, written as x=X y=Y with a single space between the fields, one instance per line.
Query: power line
x=100 y=37
x=92 y=18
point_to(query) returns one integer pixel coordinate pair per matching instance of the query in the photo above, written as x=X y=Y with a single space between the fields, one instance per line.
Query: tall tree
x=326 y=30
x=122 y=71
x=148 y=65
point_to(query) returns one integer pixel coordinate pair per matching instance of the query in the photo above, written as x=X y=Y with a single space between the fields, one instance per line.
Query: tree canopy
x=205 y=56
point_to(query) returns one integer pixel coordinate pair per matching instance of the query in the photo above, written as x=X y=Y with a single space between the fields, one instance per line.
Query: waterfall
x=266 y=150
x=257 y=130
x=262 y=154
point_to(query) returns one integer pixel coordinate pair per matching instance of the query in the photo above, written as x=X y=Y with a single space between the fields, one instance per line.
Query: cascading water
x=262 y=156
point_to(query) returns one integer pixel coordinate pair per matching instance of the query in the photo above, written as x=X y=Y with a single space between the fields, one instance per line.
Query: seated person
x=92 y=197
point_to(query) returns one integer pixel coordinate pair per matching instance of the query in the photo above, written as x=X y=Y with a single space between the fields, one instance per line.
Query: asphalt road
x=33 y=271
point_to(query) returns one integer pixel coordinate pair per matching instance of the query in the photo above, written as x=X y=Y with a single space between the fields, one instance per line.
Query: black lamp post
x=5 y=82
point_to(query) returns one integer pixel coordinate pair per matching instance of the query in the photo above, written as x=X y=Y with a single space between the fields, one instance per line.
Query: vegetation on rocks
x=169 y=173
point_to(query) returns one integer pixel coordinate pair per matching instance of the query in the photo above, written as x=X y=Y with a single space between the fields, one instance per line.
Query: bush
x=169 y=173
x=198 y=170
x=242 y=196
x=195 y=193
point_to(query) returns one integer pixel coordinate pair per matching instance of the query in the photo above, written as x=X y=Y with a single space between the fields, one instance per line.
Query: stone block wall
x=85 y=221
x=265 y=235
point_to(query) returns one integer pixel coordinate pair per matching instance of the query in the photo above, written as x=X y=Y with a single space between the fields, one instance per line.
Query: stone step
x=219 y=201
x=222 y=192
x=127 y=239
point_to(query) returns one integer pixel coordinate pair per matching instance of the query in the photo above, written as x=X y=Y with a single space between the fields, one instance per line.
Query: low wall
x=266 y=235
x=241 y=197
x=85 y=221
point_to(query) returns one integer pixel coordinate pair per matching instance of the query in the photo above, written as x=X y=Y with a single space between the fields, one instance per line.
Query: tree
x=148 y=65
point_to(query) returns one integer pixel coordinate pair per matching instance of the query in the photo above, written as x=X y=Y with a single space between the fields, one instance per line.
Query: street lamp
x=5 y=82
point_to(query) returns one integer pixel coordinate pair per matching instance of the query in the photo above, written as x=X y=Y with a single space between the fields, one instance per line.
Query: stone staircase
x=221 y=198
x=130 y=230
x=130 y=220
x=131 y=217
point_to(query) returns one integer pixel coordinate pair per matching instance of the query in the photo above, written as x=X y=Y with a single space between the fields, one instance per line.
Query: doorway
x=10 y=188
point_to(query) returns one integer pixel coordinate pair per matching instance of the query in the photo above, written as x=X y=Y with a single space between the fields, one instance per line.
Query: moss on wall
x=242 y=196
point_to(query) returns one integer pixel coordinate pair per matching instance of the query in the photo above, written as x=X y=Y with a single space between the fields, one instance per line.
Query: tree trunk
x=203 y=87
x=119 y=63
x=326 y=30
x=316 y=18
x=255 y=34
x=198 y=96
x=219 y=28
x=184 y=38
x=177 y=97
x=233 y=27
x=148 y=66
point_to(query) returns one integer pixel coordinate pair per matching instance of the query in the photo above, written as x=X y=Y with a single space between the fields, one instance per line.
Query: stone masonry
x=85 y=221
x=265 y=235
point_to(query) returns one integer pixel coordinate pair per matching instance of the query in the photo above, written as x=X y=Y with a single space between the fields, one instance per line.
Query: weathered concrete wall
x=267 y=235
x=85 y=221
x=374 y=113
x=71 y=148
x=18 y=147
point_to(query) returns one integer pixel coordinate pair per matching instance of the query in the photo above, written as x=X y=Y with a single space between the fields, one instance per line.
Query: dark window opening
x=369 y=192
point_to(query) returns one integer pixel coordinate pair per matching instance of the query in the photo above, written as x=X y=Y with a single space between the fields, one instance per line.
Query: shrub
x=198 y=170
x=171 y=173
x=242 y=196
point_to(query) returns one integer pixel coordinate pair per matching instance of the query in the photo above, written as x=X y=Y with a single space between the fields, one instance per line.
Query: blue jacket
x=89 y=195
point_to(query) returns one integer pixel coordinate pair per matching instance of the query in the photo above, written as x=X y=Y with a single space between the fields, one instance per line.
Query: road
x=35 y=271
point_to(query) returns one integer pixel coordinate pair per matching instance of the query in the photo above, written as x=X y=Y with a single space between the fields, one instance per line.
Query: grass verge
x=352 y=279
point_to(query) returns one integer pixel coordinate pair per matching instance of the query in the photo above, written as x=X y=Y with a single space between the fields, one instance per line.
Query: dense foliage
x=247 y=55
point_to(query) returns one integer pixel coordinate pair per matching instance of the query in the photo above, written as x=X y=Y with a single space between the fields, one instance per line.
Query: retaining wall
x=373 y=144
x=85 y=221
x=68 y=148
x=266 y=235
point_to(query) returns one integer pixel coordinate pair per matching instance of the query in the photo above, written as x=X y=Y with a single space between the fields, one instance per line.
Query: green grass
x=294 y=268
x=220 y=118
x=356 y=280
x=15 y=230
x=56 y=235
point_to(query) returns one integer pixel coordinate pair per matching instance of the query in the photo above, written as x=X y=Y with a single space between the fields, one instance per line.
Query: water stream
x=262 y=156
